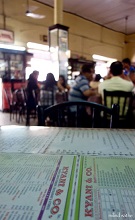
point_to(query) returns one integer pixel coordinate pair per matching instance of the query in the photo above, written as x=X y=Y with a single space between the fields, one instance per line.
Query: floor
x=5 y=120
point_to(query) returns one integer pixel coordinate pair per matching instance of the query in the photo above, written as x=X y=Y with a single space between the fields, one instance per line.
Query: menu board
x=68 y=141
x=38 y=186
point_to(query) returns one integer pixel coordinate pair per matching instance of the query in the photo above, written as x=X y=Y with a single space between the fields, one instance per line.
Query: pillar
x=58 y=41
x=58 y=11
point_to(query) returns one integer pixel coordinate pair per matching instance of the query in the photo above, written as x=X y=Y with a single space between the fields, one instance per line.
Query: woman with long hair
x=62 y=84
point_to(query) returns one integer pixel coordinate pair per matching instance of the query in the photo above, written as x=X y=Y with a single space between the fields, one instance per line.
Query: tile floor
x=5 y=120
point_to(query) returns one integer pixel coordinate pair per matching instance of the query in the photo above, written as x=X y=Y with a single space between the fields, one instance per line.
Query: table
x=66 y=173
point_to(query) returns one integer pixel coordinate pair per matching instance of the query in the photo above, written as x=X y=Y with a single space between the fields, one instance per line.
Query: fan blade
x=33 y=15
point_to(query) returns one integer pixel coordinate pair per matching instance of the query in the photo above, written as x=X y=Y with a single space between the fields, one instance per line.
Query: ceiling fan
x=29 y=12
x=126 y=32
x=126 y=21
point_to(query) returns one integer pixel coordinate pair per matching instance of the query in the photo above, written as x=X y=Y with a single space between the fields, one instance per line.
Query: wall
x=85 y=38
x=130 y=45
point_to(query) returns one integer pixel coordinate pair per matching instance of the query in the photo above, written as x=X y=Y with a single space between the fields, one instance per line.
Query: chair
x=61 y=96
x=20 y=103
x=73 y=114
x=31 y=105
x=46 y=98
x=124 y=100
x=11 y=99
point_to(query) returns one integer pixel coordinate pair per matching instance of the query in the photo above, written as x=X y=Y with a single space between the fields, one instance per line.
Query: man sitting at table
x=116 y=82
x=81 y=89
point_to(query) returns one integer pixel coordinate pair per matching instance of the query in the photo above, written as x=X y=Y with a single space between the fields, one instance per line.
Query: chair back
x=25 y=94
x=20 y=98
x=46 y=98
x=123 y=99
x=31 y=99
x=74 y=114
x=9 y=96
x=61 y=96
x=11 y=100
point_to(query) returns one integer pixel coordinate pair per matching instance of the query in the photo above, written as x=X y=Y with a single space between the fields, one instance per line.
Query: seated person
x=81 y=89
x=109 y=76
x=94 y=83
x=62 y=84
x=116 y=82
x=126 y=66
x=132 y=76
x=47 y=93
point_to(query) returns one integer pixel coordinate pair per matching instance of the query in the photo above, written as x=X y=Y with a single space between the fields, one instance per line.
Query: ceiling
x=118 y=15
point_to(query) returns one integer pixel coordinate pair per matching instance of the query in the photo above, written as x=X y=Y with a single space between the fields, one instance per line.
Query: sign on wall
x=6 y=36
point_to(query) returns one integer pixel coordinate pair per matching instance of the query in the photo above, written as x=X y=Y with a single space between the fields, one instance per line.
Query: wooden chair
x=20 y=104
x=46 y=98
x=124 y=100
x=31 y=105
x=11 y=99
x=73 y=114
x=61 y=96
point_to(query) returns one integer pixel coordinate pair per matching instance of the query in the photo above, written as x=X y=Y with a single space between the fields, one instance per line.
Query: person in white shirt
x=116 y=82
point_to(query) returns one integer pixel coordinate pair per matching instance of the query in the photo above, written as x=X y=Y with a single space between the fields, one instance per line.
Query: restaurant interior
x=67 y=143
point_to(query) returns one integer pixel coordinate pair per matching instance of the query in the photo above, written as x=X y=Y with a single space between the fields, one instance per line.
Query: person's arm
x=108 y=76
x=89 y=92
x=38 y=84
x=67 y=87
x=100 y=89
x=125 y=77
x=60 y=87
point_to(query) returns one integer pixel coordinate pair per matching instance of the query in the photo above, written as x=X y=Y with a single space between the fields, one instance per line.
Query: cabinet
x=12 y=72
x=12 y=66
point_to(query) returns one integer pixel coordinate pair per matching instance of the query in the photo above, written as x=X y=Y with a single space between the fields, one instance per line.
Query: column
x=58 y=41
x=58 y=11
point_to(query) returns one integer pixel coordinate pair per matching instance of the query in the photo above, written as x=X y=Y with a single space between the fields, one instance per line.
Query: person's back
x=47 y=93
x=116 y=82
x=32 y=87
x=32 y=81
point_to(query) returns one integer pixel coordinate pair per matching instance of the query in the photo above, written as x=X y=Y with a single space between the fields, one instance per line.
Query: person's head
x=50 y=81
x=126 y=63
x=116 y=68
x=97 y=77
x=88 y=70
x=50 y=77
x=34 y=74
x=62 y=80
